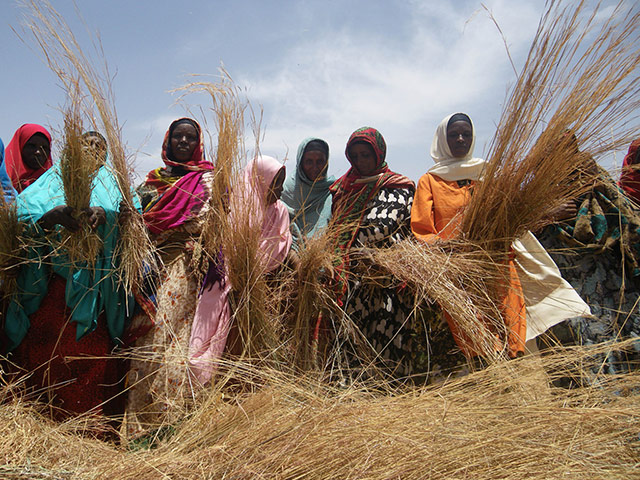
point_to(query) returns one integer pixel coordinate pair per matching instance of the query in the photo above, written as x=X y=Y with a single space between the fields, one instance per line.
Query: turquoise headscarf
x=308 y=202
x=89 y=291
x=8 y=191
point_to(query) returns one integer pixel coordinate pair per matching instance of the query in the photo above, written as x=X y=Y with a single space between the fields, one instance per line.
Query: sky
x=315 y=68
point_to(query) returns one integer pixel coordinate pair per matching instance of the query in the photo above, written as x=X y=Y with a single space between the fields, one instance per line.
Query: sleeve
x=422 y=218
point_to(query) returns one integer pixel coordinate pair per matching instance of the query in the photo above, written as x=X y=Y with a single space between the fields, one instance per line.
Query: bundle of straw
x=230 y=227
x=228 y=110
x=460 y=282
x=66 y=58
x=78 y=170
x=581 y=74
x=311 y=299
x=10 y=248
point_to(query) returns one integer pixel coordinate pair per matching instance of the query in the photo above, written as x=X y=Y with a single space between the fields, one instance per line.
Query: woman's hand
x=565 y=211
x=126 y=212
x=96 y=216
x=60 y=215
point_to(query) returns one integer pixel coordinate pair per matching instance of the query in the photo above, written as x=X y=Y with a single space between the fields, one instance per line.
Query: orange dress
x=436 y=214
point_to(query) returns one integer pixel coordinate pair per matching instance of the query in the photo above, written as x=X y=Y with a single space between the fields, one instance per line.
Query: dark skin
x=183 y=141
x=459 y=138
x=66 y=216
x=36 y=151
x=314 y=165
x=95 y=147
x=275 y=189
x=363 y=158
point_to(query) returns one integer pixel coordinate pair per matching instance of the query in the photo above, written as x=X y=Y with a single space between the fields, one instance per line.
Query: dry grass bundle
x=233 y=227
x=255 y=316
x=78 y=170
x=310 y=300
x=503 y=422
x=66 y=58
x=459 y=279
x=228 y=110
x=581 y=74
x=10 y=234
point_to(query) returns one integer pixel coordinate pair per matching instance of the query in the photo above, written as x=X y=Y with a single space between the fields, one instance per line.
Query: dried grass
x=67 y=60
x=461 y=280
x=78 y=170
x=230 y=227
x=10 y=249
x=581 y=74
x=503 y=422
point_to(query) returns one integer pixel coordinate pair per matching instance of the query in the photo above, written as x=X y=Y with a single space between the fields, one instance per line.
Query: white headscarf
x=447 y=166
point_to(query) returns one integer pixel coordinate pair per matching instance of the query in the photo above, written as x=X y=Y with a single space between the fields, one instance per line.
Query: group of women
x=66 y=317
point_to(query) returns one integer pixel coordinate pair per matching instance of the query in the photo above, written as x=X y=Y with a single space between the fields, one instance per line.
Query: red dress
x=74 y=376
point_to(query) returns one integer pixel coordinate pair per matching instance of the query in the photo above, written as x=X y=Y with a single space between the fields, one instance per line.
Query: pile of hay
x=503 y=422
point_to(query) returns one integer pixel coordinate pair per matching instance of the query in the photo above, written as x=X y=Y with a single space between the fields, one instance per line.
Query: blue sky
x=317 y=68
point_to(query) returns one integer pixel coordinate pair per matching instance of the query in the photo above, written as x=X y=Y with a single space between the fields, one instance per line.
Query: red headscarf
x=180 y=198
x=20 y=174
x=630 y=178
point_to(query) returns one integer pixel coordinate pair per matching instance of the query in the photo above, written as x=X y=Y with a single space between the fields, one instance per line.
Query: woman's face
x=184 y=140
x=275 y=189
x=36 y=151
x=95 y=147
x=314 y=164
x=459 y=138
x=363 y=158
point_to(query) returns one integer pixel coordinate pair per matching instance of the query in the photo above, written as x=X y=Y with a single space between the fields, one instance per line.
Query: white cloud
x=332 y=84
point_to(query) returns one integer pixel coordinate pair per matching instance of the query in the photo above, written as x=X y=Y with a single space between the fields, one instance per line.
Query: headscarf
x=630 y=178
x=178 y=198
x=275 y=235
x=308 y=201
x=352 y=191
x=90 y=290
x=20 y=174
x=447 y=166
x=8 y=191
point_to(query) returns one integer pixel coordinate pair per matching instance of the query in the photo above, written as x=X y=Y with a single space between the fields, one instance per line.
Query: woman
x=630 y=177
x=256 y=200
x=28 y=155
x=442 y=194
x=67 y=316
x=596 y=244
x=175 y=199
x=306 y=192
x=372 y=207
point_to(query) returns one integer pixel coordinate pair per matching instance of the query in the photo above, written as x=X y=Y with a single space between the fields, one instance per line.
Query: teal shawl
x=308 y=202
x=89 y=291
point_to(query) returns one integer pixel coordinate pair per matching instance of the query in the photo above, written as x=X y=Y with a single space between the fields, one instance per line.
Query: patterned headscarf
x=20 y=174
x=630 y=178
x=352 y=192
x=178 y=198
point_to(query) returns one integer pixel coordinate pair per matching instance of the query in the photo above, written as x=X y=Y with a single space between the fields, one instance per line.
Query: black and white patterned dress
x=379 y=305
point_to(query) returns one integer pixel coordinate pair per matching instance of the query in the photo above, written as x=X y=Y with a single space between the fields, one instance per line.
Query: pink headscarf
x=275 y=238
x=20 y=174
